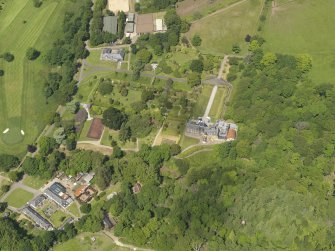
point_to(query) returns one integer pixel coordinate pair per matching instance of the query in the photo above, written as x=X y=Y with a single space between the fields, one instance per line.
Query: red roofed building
x=231 y=135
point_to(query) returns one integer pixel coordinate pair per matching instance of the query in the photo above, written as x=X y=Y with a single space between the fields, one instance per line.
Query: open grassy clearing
x=194 y=150
x=219 y=32
x=18 y=198
x=187 y=141
x=198 y=159
x=34 y=182
x=216 y=110
x=84 y=242
x=297 y=27
x=73 y=208
x=94 y=58
x=84 y=131
x=110 y=135
x=195 y=9
x=58 y=218
x=89 y=85
x=201 y=104
x=22 y=104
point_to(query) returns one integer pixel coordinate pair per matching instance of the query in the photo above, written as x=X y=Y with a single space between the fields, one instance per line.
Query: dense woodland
x=271 y=189
x=276 y=176
x=66 y=51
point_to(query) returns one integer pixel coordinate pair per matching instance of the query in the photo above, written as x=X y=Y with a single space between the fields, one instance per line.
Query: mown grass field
x=34 y=182
x=18 y=198
x=195 y=9
x=201 y=104
x=296 y=27
x=216 y=110
x=219 y=32
x=84 y=242
x=73 y=208
x=22 y=104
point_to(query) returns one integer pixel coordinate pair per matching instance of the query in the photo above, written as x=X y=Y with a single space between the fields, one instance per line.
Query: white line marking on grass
x=22 y=132
x=5 y=131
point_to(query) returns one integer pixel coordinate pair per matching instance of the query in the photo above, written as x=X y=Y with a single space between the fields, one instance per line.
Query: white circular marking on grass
x=5 y=131
x=22 y=132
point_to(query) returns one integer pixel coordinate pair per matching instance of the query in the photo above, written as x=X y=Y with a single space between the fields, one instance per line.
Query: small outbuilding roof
x=231 y=135
x=159 y=24
x=145 y=23
x=131 y=17
x=129 y=28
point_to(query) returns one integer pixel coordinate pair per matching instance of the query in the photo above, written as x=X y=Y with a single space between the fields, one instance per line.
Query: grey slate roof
x=57 y=188
x=110 y=24
x=112 y=54
x=31 y=213
x=131 y=17
x=57 y=193
x=130 y=27
x=37 y=201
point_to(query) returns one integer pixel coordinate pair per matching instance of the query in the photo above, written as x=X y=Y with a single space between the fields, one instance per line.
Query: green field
x=201 y=104
x=187 y=141
x=34 y=182
x=58 y=218
x=219 y=32
x=22 y=104
x=94 y=59
x=297 y=27
x=73 y=208
x=195 y=9
x=18 y=197
x=216 y=109
x=84 y=242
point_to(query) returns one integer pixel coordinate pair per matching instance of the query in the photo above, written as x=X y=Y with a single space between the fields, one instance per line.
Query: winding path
x=120 y=244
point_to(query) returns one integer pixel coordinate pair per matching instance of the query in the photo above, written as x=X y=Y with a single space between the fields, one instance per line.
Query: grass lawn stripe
x=18 y=198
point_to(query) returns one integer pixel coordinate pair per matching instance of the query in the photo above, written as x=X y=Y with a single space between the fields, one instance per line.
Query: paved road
x=210 y=102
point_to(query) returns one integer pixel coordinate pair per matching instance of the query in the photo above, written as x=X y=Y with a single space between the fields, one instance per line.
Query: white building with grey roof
x=37 y=218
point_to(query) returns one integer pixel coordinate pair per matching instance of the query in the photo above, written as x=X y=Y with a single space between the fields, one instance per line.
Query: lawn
x=84 y=242
x=58 y=218
x=219 y=32
x=195 y=9
x=18 y=198
x=187 y=141
x=115 y=136
x=216 y=110
x=73 y=208
x=84 y=131
x=125 y=101
x=178 y=86
x=34 y=182
x=205 y=155
x=297 y=27
x=94 y=59
x=201 y=104
x=22 y=103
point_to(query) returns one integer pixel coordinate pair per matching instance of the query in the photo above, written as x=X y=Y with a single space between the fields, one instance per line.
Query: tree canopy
x=113 y=118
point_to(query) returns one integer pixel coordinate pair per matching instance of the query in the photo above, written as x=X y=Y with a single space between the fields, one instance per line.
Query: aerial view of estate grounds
x=167 y=125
